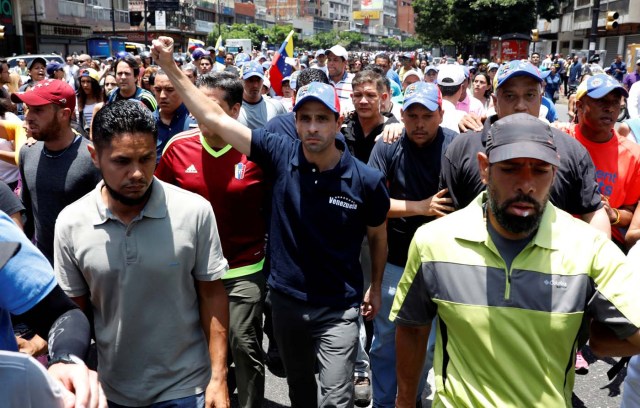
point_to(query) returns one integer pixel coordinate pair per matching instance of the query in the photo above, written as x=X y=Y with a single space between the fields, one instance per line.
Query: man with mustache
x=144 y=259
x=617 y=159
x=57 y=169
x=511 y=279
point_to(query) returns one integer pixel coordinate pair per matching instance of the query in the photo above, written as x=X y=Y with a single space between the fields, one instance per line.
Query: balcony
x=70 y=8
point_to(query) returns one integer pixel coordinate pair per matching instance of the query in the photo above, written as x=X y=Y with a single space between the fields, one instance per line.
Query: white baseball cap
x=338 y=51
x=450 y=75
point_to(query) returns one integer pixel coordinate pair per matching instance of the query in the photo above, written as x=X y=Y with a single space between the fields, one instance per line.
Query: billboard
x=361 y=15
x=371 y=4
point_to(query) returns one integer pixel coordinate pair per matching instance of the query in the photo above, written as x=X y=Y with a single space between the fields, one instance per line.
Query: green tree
x=322 y=40
x=349 y=39
x=461 y=22
x=391 y=43
x=251 y=31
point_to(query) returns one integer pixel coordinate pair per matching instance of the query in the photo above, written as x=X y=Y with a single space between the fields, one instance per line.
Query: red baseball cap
x=46 y=92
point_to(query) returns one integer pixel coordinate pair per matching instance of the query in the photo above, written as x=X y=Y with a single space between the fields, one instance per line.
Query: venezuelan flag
x=193 y=44
x=279 y=68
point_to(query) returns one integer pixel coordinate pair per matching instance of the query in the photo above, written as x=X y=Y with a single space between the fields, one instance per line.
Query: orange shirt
x=617 y=170
x=14 y=131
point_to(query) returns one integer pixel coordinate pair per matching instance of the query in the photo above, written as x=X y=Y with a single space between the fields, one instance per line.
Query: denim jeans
x=383 y=346
x=194 y=401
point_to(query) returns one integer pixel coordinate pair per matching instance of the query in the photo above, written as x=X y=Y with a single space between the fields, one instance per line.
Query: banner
x=371 y=4
x=161 y=21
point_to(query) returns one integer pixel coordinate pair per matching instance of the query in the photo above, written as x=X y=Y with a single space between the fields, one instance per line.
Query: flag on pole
x=193 y=44
x=219 y=43
x=279 y=67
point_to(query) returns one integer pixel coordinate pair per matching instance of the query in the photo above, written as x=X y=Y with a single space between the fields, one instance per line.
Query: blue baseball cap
x=241 y=59
x=513 y=69
x=53 y=67
x=426 y=94
x=293 y=79
x=598 y=86
x=199 y=53
x=251 y=69
x=317 y=91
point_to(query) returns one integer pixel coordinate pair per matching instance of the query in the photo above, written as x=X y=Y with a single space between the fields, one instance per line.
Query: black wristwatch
x=65 y=358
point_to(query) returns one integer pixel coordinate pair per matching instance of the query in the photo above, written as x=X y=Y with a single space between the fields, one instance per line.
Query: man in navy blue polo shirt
x=324 y=202
x=172 y=117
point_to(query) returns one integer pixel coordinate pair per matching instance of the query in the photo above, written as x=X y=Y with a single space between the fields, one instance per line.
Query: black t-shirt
x=508 y=248
x=359 y=144
x=412 y=174
x=574 y=188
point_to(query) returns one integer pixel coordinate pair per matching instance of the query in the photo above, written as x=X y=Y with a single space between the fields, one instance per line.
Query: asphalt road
x=593 y=390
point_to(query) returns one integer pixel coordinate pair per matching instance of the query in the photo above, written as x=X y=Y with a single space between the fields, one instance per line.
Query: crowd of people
x=374 y=215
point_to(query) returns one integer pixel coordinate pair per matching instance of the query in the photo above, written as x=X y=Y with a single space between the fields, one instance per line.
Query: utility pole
x=113 y=19
x=593 y=35
x=146 y=36
x=35 y=17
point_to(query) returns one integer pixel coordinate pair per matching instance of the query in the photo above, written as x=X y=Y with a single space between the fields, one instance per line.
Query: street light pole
x=593 y=35
x=146 y=35
x=113 y=19
x=35 y=17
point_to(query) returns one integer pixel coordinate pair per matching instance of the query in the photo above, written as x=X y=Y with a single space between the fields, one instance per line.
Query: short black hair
x=449 y=90
x=384 y=56
x=130 y=61
x=228 y=82
x=309 y=75
x=117 y=118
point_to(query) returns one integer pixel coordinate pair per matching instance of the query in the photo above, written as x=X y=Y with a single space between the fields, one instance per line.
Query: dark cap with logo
x=521 y=136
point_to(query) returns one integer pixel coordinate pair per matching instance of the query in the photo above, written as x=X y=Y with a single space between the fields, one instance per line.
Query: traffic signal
x=1 y=32
x=534 y=35
x=612 y=24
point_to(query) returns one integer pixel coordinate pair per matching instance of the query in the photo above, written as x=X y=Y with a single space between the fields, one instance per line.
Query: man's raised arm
x=202 y=108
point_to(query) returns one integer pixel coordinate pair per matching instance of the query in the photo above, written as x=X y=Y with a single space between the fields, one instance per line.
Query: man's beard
x=50 y=132
x=130 y=202
x=516 y=224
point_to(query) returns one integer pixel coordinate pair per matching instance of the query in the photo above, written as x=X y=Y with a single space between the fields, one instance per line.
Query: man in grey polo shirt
x=146 y=259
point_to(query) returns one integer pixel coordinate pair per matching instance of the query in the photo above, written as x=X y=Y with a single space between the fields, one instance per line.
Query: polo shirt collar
x=178 y=114
x=486 y=127
x=476 y=224
x=344 y=166
x=155 y=208
x=345 y=75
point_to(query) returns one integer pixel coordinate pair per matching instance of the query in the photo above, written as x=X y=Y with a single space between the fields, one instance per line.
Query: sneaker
x=582 y=366
x=362 y=391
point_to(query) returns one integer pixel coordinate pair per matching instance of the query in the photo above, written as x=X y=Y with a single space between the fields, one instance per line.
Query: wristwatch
x=66 y=358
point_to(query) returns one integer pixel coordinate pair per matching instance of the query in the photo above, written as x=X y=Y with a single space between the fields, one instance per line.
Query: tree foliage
x=461 y=22
x=273 y=35
x=348 y=39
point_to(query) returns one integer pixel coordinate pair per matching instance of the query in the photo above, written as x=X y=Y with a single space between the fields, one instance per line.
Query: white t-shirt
x=452 y=116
